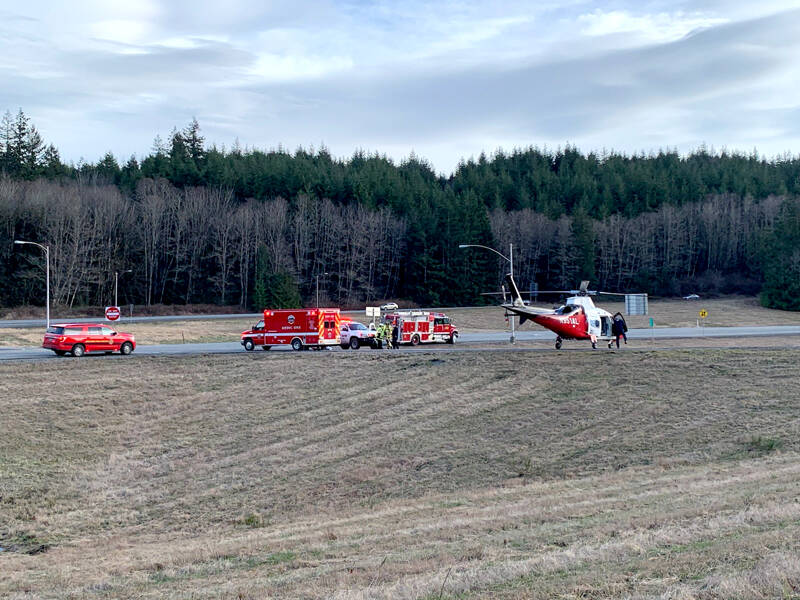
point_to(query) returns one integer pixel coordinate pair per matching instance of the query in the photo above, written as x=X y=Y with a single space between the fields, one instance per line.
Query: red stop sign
x=112 y=313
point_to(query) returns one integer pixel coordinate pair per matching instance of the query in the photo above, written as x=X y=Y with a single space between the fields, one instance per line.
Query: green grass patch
x=284 y=556
x=762 y=445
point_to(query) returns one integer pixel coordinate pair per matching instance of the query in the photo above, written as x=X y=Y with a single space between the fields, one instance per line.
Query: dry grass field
x=669 y=474
x=730 y=311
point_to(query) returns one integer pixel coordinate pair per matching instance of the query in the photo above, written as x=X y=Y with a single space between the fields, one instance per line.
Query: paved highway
x=12 y=353
x=24 y=323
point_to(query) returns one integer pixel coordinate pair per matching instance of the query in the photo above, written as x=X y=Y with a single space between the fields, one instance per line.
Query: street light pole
x=116 y=278
x=510 y=259
x=47 y=272
x=47 y=282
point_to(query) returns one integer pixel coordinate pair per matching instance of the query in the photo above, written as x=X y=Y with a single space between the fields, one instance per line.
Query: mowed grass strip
x=390 y=475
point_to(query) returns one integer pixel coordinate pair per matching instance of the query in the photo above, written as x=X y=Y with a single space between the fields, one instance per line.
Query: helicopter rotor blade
x=556 y=292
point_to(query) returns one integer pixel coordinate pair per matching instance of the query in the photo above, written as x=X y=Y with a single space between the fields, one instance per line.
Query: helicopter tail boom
x=516 y=297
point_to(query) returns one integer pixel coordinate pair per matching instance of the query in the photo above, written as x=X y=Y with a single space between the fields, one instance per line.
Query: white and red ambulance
x=300 y=328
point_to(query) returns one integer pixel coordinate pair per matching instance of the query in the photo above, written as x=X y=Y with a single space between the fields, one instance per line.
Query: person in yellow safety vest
x=385 y=333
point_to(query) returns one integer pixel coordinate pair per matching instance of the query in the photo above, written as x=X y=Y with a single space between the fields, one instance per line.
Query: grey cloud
x=714 y=77
x=102 y=76
x=243 y=17
x=205 y=62
x=561 y=101
x=12 y=17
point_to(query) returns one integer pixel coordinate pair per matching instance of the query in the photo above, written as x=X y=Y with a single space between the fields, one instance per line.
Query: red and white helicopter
x=577 y=319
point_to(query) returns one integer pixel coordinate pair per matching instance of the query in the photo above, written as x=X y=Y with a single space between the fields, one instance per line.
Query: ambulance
x=300 y=328
x=422 y=327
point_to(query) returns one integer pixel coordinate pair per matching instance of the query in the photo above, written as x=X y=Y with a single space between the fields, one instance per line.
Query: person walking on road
x=619 y=328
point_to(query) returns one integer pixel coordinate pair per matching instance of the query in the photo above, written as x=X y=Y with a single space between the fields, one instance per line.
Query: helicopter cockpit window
x=567 y=309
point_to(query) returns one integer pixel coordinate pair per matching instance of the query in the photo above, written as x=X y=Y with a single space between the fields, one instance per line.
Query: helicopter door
x=607 y=323
x=594 y=322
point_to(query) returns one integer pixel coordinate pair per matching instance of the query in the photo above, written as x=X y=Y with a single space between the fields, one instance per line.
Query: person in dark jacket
x=395 y=334
x=619 y=328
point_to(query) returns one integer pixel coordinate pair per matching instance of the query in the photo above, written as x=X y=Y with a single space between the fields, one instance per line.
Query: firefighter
x=381 y=335
x=385 y=334
x=395 y=334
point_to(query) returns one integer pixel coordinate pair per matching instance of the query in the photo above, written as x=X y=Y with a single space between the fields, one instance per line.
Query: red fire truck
x=422 y=327
x=300 y=328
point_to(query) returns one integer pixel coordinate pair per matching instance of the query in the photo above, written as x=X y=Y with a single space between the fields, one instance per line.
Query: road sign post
x=112 y=313
x=703 y=314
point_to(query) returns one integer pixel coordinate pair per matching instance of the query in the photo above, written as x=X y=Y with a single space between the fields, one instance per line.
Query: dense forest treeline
x=251 y=227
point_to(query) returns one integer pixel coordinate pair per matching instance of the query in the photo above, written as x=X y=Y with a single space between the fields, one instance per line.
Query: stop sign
x=112 y=313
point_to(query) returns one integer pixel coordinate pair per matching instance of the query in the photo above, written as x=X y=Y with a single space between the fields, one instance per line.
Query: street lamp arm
x=43 y=247
x=46 y=250
x=510 y=260
x=485 y=248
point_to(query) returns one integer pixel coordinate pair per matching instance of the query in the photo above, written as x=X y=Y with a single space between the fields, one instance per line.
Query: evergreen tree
x=583 y=239
x=157 y=163
x=130 y=175
x=6 y=137
x=781 y=261
x=52 y=167
x=273 y=290
x=282 y=291
x=108 y=168
x=178 y=159
x=33 y=153
x=16 y=146
x=261 y=284
x=194 y=142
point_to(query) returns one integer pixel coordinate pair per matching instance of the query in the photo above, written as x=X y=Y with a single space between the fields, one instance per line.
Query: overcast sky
x=445 y=80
